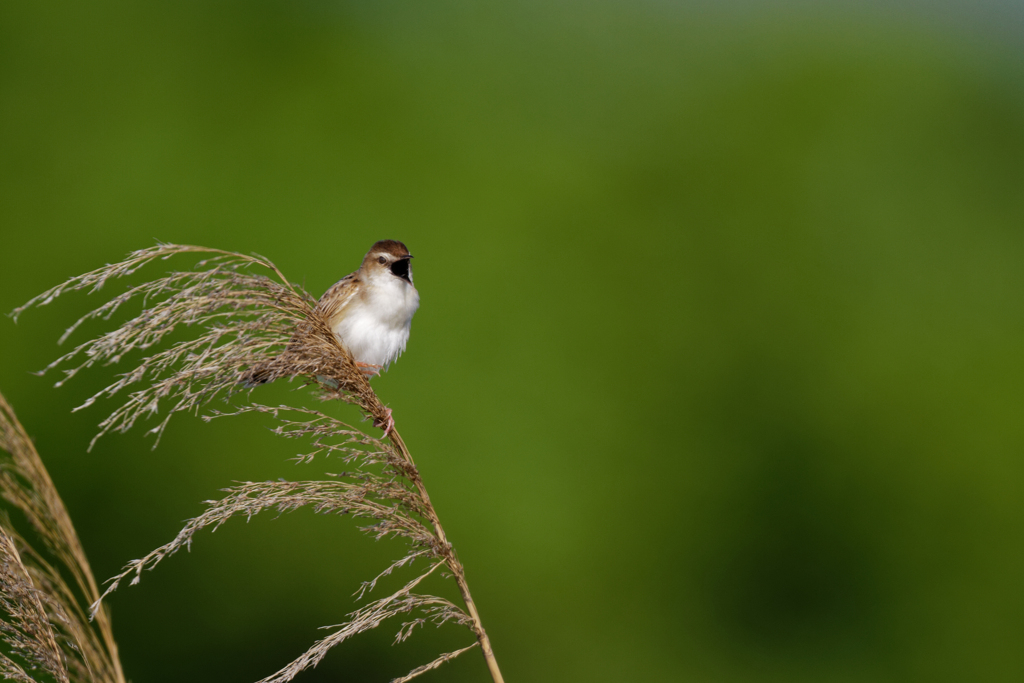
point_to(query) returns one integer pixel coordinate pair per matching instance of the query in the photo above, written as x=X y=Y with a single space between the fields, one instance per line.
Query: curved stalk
x=448 y=553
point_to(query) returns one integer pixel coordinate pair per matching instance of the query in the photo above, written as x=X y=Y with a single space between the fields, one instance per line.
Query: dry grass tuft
x=252 y=324
x=252 y=328
x=45 y=623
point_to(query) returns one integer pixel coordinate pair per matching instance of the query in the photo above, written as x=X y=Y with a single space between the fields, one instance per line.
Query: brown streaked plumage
x=370 y=311
x=390 y=247
x=341 y=293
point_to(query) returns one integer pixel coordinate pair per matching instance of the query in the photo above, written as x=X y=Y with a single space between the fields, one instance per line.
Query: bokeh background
x=719 y=369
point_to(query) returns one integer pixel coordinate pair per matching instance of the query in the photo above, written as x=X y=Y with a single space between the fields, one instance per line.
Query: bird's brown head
x=391 y=256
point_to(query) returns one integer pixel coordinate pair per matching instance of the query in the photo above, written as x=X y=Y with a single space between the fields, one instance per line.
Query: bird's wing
x=336 y=299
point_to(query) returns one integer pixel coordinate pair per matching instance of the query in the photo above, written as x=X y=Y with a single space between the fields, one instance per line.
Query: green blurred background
x=719 y=369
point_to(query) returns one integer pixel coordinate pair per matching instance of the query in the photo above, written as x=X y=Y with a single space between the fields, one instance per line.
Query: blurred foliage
x=718 y=370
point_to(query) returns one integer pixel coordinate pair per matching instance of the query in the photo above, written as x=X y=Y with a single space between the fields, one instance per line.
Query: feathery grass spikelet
x=252 y=328
x=46 y=624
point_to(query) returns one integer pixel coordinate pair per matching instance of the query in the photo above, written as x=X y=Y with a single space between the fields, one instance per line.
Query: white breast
x=375 y=328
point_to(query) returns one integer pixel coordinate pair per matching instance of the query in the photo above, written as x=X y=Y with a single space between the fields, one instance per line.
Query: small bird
x=370 y=311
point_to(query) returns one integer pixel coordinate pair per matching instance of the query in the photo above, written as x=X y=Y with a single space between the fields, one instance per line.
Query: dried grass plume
x=45 y=622
x=245 y=325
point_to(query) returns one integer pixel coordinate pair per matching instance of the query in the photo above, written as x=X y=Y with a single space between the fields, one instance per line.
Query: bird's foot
x=387 y=424
x=369 y=369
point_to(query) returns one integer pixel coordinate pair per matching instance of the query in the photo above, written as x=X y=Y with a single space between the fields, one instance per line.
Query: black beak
x=401 y=268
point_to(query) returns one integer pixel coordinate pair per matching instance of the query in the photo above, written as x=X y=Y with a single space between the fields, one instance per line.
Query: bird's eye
x=381 y=260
